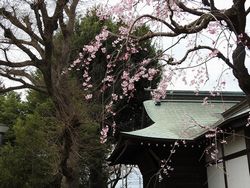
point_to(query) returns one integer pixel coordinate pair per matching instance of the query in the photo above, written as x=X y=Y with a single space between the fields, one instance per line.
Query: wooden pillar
x=149 y=168
x=247 y=139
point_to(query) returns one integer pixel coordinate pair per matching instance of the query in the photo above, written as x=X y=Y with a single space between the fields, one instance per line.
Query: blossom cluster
x=160 y=92
x=128 y=82
x=127 y=10
x=213 y=27
x=120 y=69
x=104 y=134
x=87 y=56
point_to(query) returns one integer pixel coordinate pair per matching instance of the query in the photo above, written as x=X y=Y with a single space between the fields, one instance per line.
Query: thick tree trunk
x=240 y=71
x=69 y=118
x=69 y=159
x=97 y=179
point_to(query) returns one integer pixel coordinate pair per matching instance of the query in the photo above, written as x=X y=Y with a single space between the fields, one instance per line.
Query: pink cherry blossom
x=88 y=97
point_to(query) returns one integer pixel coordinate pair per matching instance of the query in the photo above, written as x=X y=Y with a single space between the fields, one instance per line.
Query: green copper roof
x=180 y=119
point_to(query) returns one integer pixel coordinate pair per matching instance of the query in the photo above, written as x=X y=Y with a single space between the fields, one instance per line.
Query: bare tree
x=30 y=26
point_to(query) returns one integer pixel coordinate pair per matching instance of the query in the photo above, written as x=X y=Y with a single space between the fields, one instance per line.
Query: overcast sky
x=213 y=68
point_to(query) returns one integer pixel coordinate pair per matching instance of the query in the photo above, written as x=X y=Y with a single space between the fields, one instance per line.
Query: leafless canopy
x=30 y=28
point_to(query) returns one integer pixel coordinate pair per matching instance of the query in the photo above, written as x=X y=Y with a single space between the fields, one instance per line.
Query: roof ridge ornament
x=157 y=102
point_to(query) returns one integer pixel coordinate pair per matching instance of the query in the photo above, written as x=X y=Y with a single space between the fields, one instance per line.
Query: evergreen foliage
x=29 y=155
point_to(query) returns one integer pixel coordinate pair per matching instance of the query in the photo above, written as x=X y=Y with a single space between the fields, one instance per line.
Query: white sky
x=213 y=68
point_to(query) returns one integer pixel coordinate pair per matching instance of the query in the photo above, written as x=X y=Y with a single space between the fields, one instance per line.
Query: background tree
x=44 y=33
x=29 y=155
x=31 y=29
x=11 y=108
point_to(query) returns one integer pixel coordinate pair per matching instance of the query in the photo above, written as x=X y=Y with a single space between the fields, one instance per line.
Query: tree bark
x=96 y=179
x=68 y=115
x=239 y=54
x=240 y=71
x=69 y=160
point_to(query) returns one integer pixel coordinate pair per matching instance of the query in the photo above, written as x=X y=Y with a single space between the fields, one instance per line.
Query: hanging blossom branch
x=160 y=92
x=195 y=26
x=215 y=134
x=165 y=167
x=128 y=40
x=121 y=72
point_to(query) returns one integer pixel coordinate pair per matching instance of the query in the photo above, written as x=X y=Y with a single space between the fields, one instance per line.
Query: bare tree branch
x=16 y=64
x=117 y=172
x=247 y=11
x=14 y=20
x=217 y=54
x=40 y=5
x=195 y=26
x=8 y=33
x=189 y=10
x=157 y=34
x=20 y=73
x=20 y=80
x=31 y=43
x=212 y=5
x=152 y=18
x=38 y=19
x=72 y=14
x=58 y=14
x=14 y=88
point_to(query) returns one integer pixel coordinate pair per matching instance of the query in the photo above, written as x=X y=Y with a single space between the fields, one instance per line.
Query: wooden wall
x=232 y=168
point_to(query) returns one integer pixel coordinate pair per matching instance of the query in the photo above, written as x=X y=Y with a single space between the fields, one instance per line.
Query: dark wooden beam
x=224 y=166
x=247 y=135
